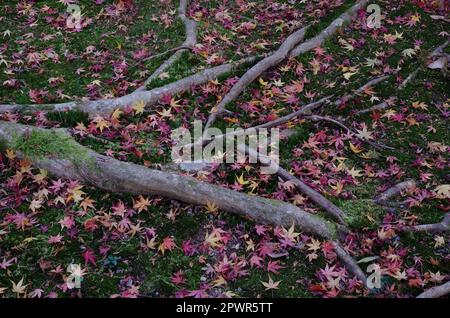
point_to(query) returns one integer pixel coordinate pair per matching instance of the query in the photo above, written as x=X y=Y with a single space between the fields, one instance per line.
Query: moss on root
x=362 y=213
x=40 y=144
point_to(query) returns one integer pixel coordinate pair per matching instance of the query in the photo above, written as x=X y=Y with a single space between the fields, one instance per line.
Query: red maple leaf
x=89 y=257
x=273 y=267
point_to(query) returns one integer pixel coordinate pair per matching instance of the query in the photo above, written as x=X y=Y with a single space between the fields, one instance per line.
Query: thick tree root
x=436 y=292
x=113 y=175
x=105 y=107
x=329 y=31
x=254 y=72
x=117 y=176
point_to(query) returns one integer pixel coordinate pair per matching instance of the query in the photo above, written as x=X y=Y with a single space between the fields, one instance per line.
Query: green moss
x=39 y=144
x=325 y=21
x=292 y=276
x=3 y=146
x=68 y=119
x=182 y=68
x=361 y=213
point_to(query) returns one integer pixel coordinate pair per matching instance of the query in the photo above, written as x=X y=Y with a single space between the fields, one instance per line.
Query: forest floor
x=138 y=246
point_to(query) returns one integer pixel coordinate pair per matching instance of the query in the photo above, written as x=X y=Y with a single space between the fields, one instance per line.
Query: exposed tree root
x=282 y=173
x=444 y=226
x=381 y=106
x=392 y=99
x=360 y=90
x=254 y=72
x=349 y=262
x=105 y=107
x=338 y=123
x=320 y=200
x=190 y=27
x=113 y=175
x=313 y=195
x=329 y=31
x=117 y=176
x=305 y=110
x=436 y=292
x=394 y=191
x=289 y=47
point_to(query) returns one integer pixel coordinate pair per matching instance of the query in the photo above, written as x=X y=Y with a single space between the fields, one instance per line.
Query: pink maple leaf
x=89 y=257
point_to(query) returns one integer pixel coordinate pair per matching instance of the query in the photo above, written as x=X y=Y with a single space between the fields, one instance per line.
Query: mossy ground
x=128 y=261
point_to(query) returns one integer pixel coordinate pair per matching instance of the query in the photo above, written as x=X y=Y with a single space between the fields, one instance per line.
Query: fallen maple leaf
x=271 y=284
x=18 y=288
x=139 y=107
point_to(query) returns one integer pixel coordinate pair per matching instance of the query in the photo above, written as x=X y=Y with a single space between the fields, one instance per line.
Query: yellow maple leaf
x=141 y=204
x=101 y=123
x=419 y=105
x=35 y=205
x=338 y=187
x=165 y=113
x=10 y=154
x=211 y=207
x=87 y=203
x=213 y=239
x=355 y=149
x=174 y=103
x=442 y=191
x=365 y=134
x=348 y=75
x=219 y=281
x=19 y=288
x=41 y=176
x=262 y=82
x=151 y=244
x=355 y=173
x=314 y=245
x=139 y=107
x=291 y=234
x=116 y=114
x=75 y=194
x=241 y=180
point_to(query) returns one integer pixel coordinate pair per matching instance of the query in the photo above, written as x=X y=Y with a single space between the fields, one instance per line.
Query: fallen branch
x=338 y=123
x=190 y=27
x=313 y=195
x=394 y=191
x=436 y=292
x=316 y=197
x=385 y=104
x=113 y=175
x=444 y=226
x=329 y=31
x=105 y=107
x=254 y=72
x=361 y=89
